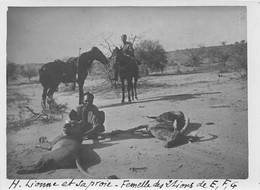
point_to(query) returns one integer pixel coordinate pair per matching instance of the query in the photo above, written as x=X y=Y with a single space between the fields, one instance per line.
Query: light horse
x=53 y=73
x=128 y=70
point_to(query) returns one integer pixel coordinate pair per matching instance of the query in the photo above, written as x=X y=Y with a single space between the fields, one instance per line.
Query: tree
x=224 y=43
x=221 y=55
x=151 y=54
x=11 y=70
x=239 y=54
x=29 y=72
x=195 y=55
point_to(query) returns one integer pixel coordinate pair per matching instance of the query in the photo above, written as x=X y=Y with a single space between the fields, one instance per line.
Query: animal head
x=177 y=138
x=173 y=141
x=117 y=55
x=116 y=51
x=99 y=55
x=74 y=129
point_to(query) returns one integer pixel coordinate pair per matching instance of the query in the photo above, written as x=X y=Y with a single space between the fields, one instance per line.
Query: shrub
x=28 y=72
x=152 y=54
x=11 y=70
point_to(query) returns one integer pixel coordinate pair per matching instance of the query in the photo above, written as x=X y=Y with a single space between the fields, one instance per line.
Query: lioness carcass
x=65 y=151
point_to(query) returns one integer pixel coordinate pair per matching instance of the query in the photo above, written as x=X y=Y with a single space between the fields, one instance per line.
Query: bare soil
x=216 y=106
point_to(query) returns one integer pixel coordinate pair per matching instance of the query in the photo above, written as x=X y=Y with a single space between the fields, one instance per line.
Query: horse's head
x=98 y=55
x=116 y=52
x=116 y=55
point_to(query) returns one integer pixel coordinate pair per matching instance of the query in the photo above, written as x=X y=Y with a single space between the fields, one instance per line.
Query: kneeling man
x=91 y=116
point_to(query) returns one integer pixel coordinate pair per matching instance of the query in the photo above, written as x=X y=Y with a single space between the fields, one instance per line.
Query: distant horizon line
x=170 y=51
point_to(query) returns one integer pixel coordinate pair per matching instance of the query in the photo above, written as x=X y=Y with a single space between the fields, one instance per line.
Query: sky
x=43 y=34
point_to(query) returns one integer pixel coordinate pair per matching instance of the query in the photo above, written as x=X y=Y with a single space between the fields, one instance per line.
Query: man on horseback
x=127 y=49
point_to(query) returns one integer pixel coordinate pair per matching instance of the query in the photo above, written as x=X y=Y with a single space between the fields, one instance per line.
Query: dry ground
x=216 y=106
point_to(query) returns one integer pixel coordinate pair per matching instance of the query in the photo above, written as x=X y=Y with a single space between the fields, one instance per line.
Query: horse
x=84 y=64
x=53 y=73
x=128 y=70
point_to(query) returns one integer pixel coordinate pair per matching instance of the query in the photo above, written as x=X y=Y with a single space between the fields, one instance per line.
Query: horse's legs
x=132 y=90
x=123 y=91
x=129 y=88
x=81 y=92
x=74 y=83
x=51 y=92
x=135 y=86
x=44 y=96
x=81 y=80
x=74 y=86
x=50 y=99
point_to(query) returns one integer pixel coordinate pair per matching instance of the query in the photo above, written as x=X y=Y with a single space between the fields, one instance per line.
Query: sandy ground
x=221 y=153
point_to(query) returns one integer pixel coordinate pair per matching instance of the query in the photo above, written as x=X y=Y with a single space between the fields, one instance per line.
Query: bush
x=195 y=56
x=152 y=54
x=11 y=70
x=239 y=54
x=28 y=72
x=220 y=55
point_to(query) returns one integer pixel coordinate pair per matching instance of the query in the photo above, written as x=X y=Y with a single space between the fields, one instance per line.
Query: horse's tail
x=44 y=76
x=41 y=73
x=42 y=70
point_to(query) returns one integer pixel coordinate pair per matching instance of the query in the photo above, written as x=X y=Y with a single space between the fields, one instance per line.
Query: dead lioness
x=65 y=152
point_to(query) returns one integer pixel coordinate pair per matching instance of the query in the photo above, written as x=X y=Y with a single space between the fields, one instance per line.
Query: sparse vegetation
x=195 y=56
x=151 y=54
x=28 y=116
x=28 y=72
x=11 y=70
x=224 y=58
x=239 y=54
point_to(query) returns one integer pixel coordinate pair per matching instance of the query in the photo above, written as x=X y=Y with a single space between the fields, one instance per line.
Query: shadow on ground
x=89 y=156
x=188 y=138
x=143 y=134
x=178 y=97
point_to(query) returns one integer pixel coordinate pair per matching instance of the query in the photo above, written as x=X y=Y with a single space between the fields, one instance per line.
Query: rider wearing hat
x=127 y=49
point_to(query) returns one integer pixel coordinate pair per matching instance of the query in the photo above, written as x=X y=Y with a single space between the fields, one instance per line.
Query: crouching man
x=91 y=116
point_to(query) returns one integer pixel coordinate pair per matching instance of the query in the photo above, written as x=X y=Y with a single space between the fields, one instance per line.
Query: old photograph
x=127 y=92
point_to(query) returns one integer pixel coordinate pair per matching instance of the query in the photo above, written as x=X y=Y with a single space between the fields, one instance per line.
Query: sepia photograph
x=127 y=92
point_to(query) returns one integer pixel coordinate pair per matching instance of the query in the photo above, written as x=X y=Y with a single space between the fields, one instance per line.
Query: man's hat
x=123 y=36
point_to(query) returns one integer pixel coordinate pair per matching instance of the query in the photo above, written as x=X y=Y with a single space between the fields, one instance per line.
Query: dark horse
x=128 y=70
x=53 y=73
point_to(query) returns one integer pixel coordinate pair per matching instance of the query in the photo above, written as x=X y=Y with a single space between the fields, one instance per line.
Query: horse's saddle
x=68 y=72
